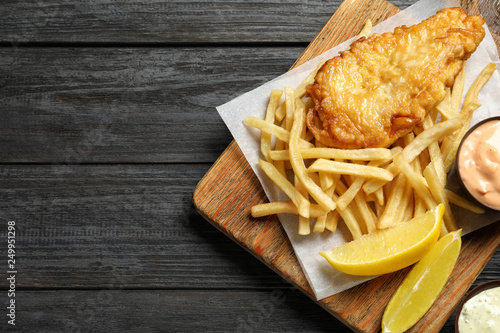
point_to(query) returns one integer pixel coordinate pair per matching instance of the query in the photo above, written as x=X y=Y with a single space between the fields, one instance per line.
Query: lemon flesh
x=388 y=250
x=422 y=285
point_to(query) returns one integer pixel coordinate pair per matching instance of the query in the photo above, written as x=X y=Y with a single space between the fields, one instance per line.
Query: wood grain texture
x=188 y=21
x=361 y=307
x=133 y=226
x=121 y=310
x=104 y=105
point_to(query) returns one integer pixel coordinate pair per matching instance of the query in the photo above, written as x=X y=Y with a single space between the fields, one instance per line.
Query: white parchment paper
x=323 y=278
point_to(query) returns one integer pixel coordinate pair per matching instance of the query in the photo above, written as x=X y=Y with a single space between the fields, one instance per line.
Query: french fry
x=410 y=204
x=300 y=91
x=451 y=149
x=417 y=181
x=464 y=203
x=411 y=151
x=280 y=165
x=320 y=224
x=283 y=207
x=420 y=185
x=277 y=131
x=458 y=91
x=366 y=154
x=303 y=205
x=379 y=195
x=449 y=146
x=345 y=199
x=428 y=136
x=366 y=213
x=437 y=191
x=366 y=31
x=304 y=222
x=477 y=85
x=435 y=154
x=332 y=221
x=393 y=206
x=298 y=164
x=350 y=220
x=350 y=169
x=265 y=139
x=445 y=106
x=289 y=108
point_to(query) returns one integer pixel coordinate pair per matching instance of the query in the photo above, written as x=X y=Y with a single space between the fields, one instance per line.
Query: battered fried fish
x=382 y=87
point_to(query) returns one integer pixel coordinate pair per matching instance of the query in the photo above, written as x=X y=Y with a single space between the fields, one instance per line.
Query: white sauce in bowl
x=481 y=313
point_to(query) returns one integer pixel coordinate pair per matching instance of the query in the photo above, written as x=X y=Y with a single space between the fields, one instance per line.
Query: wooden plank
x=86 y=226
x=361 y=307
x=188 y=21
x=122 y=310
x=119 y=310
x=104 y=105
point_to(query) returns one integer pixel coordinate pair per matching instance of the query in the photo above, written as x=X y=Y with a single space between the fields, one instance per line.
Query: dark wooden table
x=108 y=122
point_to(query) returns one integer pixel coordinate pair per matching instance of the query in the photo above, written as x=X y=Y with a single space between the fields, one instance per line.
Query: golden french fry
x=289 y=107
x=437 y=190
x=458 y=90
x=277 y=131
x=405 y=211
x=283 y=207
x=477 y=85
x=379 y=196
x=446 y=112
x=265 y=139
x=366 y=154
x=411 y=151
x=350 y=169
x=445 y=106
x=300 y=91
x=332 y=221
x=280 y=165
x=303 y=205
x=366 y=212
x=393 y=205
x=350 y=220
x=420 y=185
x=320 y=224
x=416 y=181
x=298 y=164
x=419 y=208
x=304 y=222
x=451 y=146
x=428 y=136
x=345 y=199
x=462 y=202
x=435 y=154
x=366 y=31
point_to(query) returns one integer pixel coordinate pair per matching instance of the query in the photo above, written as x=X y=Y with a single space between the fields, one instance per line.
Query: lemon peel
x=423 y=284
x=388 y=250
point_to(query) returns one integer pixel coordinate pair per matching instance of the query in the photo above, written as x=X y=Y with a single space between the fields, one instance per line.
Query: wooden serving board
x=228 y=190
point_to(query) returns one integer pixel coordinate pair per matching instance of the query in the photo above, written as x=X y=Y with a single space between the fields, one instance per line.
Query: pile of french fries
x=371 y=188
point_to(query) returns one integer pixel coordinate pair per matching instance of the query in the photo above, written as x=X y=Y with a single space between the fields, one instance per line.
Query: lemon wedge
x=422 y=285
x=388 y=250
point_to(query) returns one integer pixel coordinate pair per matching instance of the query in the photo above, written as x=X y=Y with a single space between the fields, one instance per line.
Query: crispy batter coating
x=383 y=86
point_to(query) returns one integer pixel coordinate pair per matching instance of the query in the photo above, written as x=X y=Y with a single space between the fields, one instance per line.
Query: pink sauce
x=479 y=163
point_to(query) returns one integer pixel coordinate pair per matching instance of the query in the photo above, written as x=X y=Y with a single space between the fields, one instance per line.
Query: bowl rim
x=457 y=168
x=473 y=292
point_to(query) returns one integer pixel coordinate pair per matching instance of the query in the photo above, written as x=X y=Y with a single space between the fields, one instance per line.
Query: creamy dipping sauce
x=479 y=163
x=481 y=313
